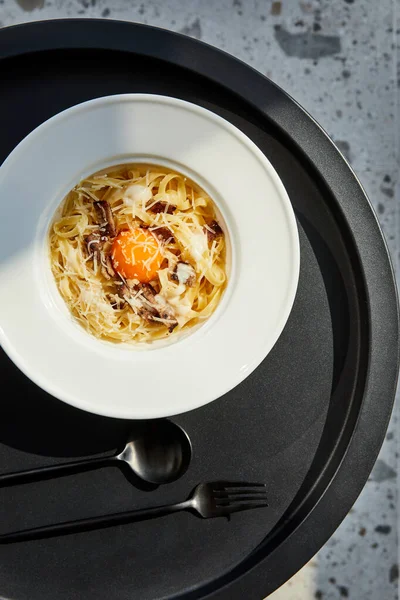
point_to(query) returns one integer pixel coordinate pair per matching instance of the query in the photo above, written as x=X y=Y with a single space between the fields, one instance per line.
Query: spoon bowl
x=159 y=453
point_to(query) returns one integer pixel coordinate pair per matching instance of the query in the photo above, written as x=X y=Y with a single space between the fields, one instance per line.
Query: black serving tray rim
x=352 y=202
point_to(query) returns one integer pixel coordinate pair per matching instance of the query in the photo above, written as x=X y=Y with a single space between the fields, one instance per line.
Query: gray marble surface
x=339 y=60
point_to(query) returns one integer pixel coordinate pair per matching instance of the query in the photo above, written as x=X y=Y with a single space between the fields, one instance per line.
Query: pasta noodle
x=137 y=253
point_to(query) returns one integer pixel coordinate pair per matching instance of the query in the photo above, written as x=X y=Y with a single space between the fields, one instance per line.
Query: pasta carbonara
x=138 y=254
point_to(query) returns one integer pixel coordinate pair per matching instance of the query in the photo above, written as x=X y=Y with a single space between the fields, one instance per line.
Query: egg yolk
x=136 y=255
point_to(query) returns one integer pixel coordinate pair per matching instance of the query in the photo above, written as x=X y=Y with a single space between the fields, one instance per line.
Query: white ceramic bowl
x=36 y=329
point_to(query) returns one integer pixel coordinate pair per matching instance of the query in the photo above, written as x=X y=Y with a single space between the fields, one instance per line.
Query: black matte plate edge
x=355 y=208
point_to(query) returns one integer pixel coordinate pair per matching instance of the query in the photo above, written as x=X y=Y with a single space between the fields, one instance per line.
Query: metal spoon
x=157 y=452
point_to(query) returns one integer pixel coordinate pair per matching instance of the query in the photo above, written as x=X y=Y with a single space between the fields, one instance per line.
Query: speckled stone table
x=339 y=60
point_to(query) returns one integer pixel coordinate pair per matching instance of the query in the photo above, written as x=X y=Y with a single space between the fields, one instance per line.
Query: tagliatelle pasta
x=138 y=253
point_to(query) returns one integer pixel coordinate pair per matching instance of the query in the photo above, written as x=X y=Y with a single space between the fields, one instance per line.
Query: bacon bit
x=213 y=230
x=96 y=240
x=95 y=249
x=116 y=301
x=107 y=268
x=163 y=234
x=93 y=244
x=184 y=273
x=150 y=306
x=162 y=207
x=107 y=226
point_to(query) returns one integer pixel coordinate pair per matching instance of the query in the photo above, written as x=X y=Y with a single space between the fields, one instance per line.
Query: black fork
x=209 y=500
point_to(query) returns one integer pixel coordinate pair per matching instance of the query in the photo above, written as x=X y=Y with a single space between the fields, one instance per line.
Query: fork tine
x=245 y=506
x=237 y=501
x=239 y=484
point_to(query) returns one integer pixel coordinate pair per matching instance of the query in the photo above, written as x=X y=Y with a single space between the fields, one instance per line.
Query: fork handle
x=40 y=473
x=92 y=523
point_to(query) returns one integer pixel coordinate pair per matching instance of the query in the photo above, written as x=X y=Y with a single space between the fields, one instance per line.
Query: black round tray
x=309 y=421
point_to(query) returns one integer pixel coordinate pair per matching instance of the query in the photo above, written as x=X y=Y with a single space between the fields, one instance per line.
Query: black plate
x=309 y=421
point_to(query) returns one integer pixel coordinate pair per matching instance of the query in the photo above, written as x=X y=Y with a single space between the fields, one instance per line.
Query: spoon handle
x=40 y=473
